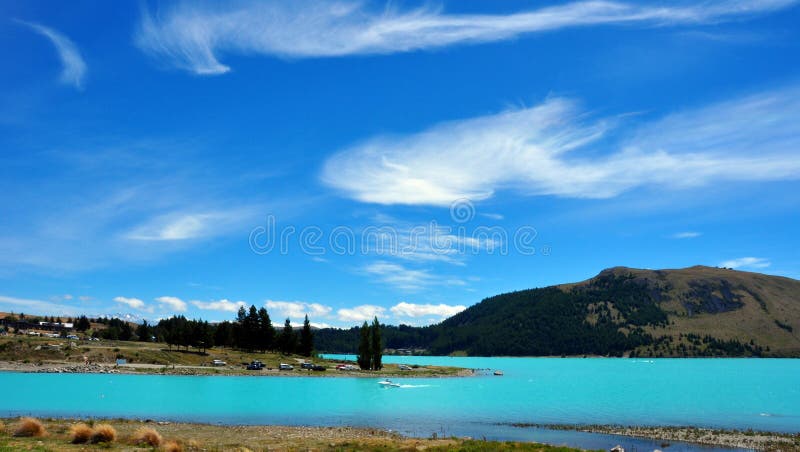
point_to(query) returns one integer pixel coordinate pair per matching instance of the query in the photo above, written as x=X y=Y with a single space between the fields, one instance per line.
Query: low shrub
x=80 y=433
x=104 y=433
x=2 y=428
x=30 y=427
x=148 y=436
x=172 y=446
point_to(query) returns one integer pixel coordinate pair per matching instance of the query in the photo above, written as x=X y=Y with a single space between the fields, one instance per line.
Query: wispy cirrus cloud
x=74 y=68
x=408 y=279
x=555 y=149
x=746 y=262
x=192 y=36
x=33 y=306
x=686 y=235
x=190 y=225
x=144 y=202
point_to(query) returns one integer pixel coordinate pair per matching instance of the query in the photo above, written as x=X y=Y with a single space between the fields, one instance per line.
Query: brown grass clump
x=30 y=427
x=104 y=433
x=148 y=436
x=80 y=433
x=2 y=428
x=172 y=446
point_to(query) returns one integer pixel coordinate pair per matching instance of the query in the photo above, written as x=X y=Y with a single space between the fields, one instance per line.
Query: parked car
x=218 y=362
x=255 y=365
x=307 y=366
x=319 y=368
x=285 y=367
x=403 y=367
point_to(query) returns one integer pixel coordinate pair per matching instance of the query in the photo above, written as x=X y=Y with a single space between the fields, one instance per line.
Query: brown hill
x=723 y=303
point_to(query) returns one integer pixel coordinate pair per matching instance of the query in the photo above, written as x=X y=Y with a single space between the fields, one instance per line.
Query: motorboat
x=389 y=384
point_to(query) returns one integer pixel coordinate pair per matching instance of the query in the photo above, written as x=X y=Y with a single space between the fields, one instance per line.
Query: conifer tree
x=266 y=333
x=364 y=354
x=288 y=340
x=306 y=338
x=250 y=328
x=376 y=347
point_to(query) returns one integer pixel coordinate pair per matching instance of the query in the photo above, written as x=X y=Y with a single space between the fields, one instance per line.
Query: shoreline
x=185 y=370
x=205 y=436
x=743 y=439
x=199 y=437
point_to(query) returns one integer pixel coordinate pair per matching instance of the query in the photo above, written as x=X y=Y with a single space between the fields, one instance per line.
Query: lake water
x=762 y=394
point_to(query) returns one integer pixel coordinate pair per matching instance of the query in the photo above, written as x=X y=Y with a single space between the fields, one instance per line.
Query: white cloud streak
x=408 y=279
x=174 y=303
x=297 y=309
x=219 y=305
x=746 y=262
x=31 y=306
x=74 y=68
x=192 y=36
x=412 y=310
x=366 y=312
x=552 y=149
x=186 y=226
x=686 y=235
x=134 y=303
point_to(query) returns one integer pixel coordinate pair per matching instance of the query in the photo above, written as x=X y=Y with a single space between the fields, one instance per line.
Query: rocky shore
x=154 y=369
x=747 y=439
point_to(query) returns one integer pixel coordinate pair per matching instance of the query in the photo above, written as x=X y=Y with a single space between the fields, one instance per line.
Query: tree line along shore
x=178 y=344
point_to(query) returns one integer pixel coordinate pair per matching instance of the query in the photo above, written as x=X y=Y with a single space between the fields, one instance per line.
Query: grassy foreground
x=58 y=435
x=32 y=354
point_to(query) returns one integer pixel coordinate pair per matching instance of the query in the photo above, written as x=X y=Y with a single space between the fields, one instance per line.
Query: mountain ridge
x=622 y=311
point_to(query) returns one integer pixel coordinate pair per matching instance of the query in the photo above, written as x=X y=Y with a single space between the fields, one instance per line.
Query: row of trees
x=251 y=330
x=370 y=347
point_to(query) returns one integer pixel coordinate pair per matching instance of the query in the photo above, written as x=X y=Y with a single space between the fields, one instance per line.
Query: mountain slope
x=697 y=311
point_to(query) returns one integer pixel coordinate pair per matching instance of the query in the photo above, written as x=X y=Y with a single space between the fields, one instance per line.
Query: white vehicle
x=403 y=367
x=218 y=362
x=285 y=367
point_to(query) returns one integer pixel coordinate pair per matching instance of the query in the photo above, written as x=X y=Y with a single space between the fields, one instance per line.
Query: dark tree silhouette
x=376 y=346
x=364 y=355
x=306 y=339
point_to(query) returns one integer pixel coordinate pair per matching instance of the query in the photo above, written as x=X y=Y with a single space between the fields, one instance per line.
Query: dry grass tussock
x=147 y=436
x=172 y=446
x=80 y=433
x=30 y=427
x=104 y=433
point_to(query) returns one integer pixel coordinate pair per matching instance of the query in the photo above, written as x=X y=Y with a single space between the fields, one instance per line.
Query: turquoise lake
x=762 y=394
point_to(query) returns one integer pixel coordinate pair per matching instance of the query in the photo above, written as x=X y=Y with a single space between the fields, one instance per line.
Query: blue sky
x=416 y=157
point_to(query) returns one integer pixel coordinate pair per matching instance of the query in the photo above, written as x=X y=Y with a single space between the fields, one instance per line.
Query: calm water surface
x=761 y=394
